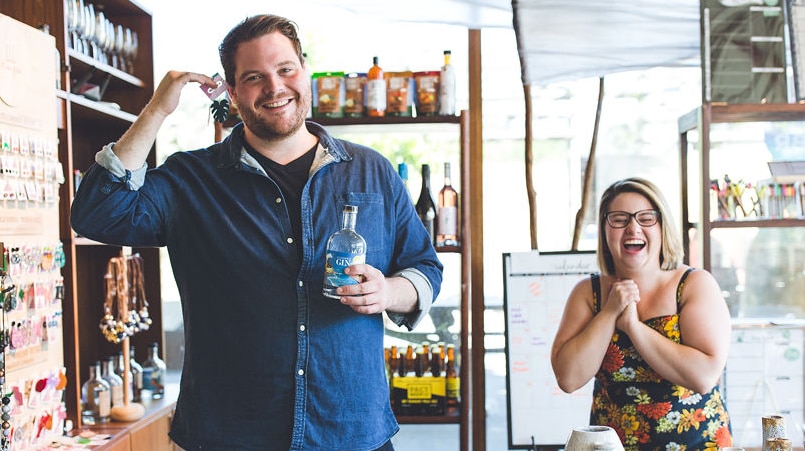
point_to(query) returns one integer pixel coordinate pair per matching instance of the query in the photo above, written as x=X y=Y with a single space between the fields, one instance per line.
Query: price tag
x=213 y=91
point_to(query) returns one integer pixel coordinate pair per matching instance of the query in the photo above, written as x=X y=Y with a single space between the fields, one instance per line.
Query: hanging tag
x=214 y=91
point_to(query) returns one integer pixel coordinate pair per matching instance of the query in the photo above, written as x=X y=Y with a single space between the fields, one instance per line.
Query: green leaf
x=220 y=110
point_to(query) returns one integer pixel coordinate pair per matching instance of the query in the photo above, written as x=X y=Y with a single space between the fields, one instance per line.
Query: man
x=270 y=363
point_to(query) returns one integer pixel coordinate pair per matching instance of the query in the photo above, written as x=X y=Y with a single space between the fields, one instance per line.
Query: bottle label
x=334 y=267
x=104 y=403
x=147 y=382
x=453 y=387
x=447 y=93
x=376 y=94
x=447 y=218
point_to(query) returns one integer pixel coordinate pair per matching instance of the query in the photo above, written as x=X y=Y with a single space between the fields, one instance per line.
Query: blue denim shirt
x=270 y=363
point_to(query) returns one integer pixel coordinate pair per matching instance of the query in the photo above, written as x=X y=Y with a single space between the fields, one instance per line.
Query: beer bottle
x=409 y=361
x=453 y=381
x=436 y=360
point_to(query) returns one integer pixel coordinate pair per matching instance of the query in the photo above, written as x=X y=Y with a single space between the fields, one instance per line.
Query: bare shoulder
x=700 y=285
x=582 y=293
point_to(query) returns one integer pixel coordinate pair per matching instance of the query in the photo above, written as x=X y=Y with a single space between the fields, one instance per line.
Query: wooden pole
x=129 y=411
x=589 y=171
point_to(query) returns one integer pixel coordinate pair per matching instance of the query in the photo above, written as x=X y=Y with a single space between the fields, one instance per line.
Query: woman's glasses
x=644 y=218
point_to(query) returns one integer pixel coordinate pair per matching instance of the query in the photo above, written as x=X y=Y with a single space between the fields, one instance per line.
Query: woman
x=653 y=332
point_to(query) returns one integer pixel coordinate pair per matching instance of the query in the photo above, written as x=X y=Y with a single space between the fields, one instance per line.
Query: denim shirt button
x=301 y=372
x=289 y=240
x=302 y=328
x=301 y=283
x=278 y=200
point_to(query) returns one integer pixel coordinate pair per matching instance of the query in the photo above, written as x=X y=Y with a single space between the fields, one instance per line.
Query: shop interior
x=553 y=103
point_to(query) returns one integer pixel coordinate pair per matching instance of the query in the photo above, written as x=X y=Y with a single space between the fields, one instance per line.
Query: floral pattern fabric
x=648 y=412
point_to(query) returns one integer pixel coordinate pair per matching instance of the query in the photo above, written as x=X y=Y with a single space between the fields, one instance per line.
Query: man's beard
x=271 y=128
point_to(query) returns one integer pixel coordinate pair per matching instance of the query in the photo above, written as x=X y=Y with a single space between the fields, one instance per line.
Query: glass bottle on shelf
x=119 y=369
x=345 y=247
x=136 y=377
x=447 y=213
x=425 y=207
x=447 y=87
x=375 y=90
x=452 y=381
x=154 y=373
x=436 y=361
x=402 y=169
x=115 y=382
x=96 y=397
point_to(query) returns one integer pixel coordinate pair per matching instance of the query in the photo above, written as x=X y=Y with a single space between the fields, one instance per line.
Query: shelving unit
x=84 y=126
x=764 y=369
x=462 y=122
x=700 y=120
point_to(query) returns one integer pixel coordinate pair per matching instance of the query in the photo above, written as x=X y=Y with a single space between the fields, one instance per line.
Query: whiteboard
x=536 y=287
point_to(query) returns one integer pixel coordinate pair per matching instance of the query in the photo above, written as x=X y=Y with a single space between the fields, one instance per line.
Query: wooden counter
x=148 y=433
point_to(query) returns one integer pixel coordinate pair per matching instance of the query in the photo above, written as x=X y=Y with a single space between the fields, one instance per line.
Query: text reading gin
x=344 y=248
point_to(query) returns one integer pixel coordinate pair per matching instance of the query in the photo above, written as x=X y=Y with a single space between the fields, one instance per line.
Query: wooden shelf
x=80 y=63
x=429 y=419
x=728 y=113
x=740 y=223
x=388 y=120
x=98 y=111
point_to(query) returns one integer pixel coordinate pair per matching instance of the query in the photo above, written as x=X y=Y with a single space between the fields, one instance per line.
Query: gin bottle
x=154 y=373
x=96 y=398
x=344 y=248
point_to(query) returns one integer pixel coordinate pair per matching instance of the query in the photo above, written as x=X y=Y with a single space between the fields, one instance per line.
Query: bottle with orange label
x=375 y=90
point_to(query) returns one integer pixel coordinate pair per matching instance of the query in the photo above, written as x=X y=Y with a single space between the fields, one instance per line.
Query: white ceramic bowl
x=590 y=438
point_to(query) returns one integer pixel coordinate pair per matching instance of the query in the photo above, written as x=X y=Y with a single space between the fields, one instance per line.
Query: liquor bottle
x=115 y=382
x=344 y=248
x=402 y=169
x=136 y=377
x=425 y=207
x=119 y=370
x=154 y=373
x=447 y=87
x=375 y=90
x=453 y=383
x=96 y=397
x=447 y=213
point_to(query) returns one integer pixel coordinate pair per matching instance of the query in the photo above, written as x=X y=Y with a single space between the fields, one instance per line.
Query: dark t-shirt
x=291 y=179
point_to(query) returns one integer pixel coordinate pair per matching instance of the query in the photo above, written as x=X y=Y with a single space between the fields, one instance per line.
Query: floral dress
x=648 y=412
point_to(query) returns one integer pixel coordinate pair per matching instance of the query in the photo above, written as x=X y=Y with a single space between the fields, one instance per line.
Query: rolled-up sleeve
x=107 y=159
x=424 y=291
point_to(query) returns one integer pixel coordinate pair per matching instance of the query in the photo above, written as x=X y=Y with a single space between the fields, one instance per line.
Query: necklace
x=125 y=309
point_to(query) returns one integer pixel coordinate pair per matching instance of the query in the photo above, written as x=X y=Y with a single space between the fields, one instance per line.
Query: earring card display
x=30 y=175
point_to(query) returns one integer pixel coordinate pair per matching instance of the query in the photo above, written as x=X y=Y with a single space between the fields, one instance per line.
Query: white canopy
x=561 y=40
